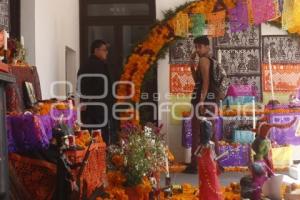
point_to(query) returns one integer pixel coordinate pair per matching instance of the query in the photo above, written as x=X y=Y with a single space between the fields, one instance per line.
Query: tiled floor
x=225 y=178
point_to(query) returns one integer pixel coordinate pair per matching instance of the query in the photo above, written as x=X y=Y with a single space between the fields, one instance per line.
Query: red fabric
x=38 y=177
x=181 y=79
x=22 y=74
x=14 y=102
x=3 y=67
x=196 y=132
x=208 y=179
x=94 y=170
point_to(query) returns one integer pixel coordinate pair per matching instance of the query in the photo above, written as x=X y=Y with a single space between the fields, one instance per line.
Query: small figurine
x=261 y=141
x=209 y=184
x=262 y=166
x=260 y=173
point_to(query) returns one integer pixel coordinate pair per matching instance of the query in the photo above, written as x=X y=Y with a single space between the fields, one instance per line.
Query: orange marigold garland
x=181 y=26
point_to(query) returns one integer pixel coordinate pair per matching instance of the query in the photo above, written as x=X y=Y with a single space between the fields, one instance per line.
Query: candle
x=253 y=113
x=219 y=56
x=271 y=74
x=71 y=107
x=22 y=41
x=167 y=163
x=5 y=39
x=221 y=108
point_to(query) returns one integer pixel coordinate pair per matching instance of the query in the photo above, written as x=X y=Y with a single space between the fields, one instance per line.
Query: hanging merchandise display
x=197 y=24
x=296 y=18
x=287 y=17
x=277 y=9
x=181 y=26
x=216 y=23
x=259 y=8
x=286 y=78
x=238 y=17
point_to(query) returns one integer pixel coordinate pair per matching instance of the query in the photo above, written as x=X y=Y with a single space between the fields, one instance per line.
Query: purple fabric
x=33 y=132
x=259 y=8
x=278 y=106
x=219 y=128
x=187 y=131
x=10 y=139
x=298 y=94
x=287 y=135
x=283 y=106
x=259 y=178
x=238 y=17
x=186 y=140
x=280 y=2
x=238 y=156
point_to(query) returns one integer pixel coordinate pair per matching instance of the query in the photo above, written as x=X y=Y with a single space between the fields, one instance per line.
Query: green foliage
x=143 y=151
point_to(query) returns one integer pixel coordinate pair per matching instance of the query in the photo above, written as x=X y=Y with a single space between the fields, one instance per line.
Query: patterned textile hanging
x=263 y=10
x=181 y=25
x=197 y=24
x=287 y=16
x=216 y=23
x=238 y=17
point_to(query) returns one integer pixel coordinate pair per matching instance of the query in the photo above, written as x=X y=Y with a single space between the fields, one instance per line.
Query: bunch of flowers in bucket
x=139 y=155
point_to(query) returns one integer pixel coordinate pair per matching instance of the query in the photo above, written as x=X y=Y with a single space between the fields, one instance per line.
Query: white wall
x=164 y=5
x=28 y=28
x=56 y=25
x=174 y=131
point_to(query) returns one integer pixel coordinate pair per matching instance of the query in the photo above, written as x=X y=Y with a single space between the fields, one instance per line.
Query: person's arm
x=269 y=171
x=192 y=66
x=204 y=64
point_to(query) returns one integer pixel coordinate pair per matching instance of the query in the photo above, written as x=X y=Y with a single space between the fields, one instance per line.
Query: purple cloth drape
x=34 y=132
x=287 y=135
x=238 y=156
x=259 y=8
x=238 y=17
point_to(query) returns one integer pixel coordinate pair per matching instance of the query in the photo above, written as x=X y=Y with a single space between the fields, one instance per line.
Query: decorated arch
x=195 y=17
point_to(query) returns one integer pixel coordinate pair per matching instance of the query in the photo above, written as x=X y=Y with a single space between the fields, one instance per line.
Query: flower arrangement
x=139 y=154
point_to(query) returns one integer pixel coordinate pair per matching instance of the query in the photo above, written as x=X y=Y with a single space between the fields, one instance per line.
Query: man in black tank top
x=202 y=94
